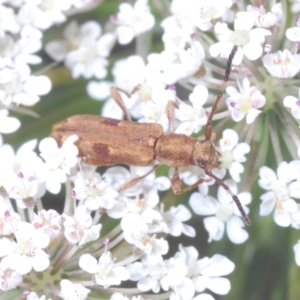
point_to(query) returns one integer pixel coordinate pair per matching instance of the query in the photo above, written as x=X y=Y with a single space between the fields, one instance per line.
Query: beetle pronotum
x=105 y=141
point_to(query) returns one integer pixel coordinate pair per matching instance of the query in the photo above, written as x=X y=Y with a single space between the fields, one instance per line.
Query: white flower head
x=48 y=221
x=119 y=296
x=225 y=213
x=144 y=206
x=9 y=279
x=294 y=104
x=34 y=296
x=193 y=117
x=23 y=89
x=96 y=192
x=174 y=65
x=72 y=37
x=73 y=291
x=207 y=272
x=293 y=34
x=172 y=222
x=297 y=252
x=133 y=20
x=8 y=124
x=266 y=19
x=83 y=49
x=26 y=253
x=245 y=102
x=59 y=161
x=232 y=153
x=155 y=111
x=282 y=64
x=105 y=273
x=281 y=191
x=248 y=40
x=199 y=13
x=8 y=219
x=145 y=244
x=153 y=274
x=25 y=189
x=79 y=229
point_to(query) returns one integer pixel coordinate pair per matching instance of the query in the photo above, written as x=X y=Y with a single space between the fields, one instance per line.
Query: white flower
x=96 y=192
x=245 y=102
x=281 y=191
x=147 y=245
x=26 y=253
x=186 y=61
x=59 y=161
x=30 y=42
x=143 y=206
x=9 y=279
x=8 y=21
x=172 y=222
x=248 y=40
x=49 y=221
x=25 y=189
x=225 y=213
x=35 y=296
x=155 y=111
x=153 y=274
x=293 y=34
x=44 y=13
x=207 y=272
x=73 y=291
x=266 y=19
x=83 y=49
x=8 y=219
x=105 y=273
x=73 y=35
x=199 y=13
x=297 y=252
x=25 y=163
x=119 y=296
x=192 y=117
x=8 y=124
x=23 y=89
x=87 y=60
x=232 y=153
x=133 y=20
x=294 y=104
x=282 y=64
x=79 y=229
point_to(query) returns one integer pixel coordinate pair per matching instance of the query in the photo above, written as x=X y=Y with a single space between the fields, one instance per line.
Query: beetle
x=105 y=141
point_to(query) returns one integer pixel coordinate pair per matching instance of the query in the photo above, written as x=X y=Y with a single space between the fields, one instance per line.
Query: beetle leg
x=176 y=183
x=118 y=98
x=170 y=114
x=131 y=182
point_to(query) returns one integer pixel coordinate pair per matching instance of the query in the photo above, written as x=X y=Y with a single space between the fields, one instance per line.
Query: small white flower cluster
x=197 y=39
x=283 y=187
x=21 y=32
x=25 y=177
x=26 y=246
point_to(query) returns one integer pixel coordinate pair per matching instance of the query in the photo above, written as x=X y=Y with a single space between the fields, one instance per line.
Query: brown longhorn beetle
x=105 y=141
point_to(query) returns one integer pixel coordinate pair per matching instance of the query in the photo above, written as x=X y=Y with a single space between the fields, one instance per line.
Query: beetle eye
x=200 y=162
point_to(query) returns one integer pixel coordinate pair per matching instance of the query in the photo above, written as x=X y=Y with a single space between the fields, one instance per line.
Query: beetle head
x=205 y=153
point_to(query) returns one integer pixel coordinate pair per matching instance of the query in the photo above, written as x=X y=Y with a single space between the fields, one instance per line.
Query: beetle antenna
x=208 y=128
x=234 y=197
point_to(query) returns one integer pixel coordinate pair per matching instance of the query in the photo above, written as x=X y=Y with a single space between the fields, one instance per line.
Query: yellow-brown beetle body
x=105 y=141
